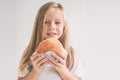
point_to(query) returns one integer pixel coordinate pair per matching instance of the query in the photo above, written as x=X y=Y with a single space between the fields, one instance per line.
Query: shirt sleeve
x=78 y=69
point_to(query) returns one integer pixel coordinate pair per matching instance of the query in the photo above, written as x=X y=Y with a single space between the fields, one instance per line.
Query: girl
x=50 y=22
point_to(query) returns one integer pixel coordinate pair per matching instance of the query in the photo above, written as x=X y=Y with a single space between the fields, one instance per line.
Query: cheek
x=44 y=28
x=60 y=29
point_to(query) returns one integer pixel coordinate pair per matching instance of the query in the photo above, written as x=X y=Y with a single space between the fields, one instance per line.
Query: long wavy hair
x=37 y=37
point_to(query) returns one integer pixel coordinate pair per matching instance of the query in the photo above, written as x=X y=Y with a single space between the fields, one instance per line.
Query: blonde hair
x=37 y=36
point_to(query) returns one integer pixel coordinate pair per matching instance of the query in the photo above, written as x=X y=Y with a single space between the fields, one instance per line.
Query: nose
x=52 y=26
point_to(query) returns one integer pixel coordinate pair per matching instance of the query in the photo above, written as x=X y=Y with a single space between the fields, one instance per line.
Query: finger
x=34 y=53
x=54 y=62
x=58 y=59
x=43 y=65
x=43 y=61
x=62 y=56
x=38 y=59
x=35 y=56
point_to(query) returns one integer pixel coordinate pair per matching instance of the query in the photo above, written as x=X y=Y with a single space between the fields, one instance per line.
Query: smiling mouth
x=51 y=34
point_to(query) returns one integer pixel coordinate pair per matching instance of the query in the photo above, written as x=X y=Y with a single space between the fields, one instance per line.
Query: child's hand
x=38 y=62
x=58 y=62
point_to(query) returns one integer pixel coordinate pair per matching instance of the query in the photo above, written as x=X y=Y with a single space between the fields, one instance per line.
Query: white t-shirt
x=50 y=73
x=78 y=69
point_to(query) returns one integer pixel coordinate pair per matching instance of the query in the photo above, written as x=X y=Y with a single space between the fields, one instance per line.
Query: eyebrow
x=55 y=19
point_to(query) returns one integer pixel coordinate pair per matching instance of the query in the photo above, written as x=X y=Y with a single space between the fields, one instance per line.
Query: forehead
x=54 y=13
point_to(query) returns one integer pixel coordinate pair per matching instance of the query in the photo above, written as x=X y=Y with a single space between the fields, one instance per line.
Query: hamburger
x=50 y=45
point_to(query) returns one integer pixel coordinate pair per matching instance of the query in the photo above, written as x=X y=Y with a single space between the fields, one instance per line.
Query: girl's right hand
x=38 y=61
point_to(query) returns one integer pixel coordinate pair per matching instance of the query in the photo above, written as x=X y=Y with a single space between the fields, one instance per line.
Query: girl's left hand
x=59 y=63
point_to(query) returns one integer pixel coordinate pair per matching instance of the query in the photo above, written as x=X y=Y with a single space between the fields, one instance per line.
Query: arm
x=38 y=61
x=34 y=76
x=60 y=66
x=31 y=76
x=67 y=75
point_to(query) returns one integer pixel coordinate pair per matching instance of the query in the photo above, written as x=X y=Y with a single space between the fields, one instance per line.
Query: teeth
x=51 y=34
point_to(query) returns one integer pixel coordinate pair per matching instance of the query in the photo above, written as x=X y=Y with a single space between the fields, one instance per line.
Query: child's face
x=53 y=23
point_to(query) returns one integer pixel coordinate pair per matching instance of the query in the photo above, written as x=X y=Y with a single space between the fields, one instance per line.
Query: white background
x=94 y=29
